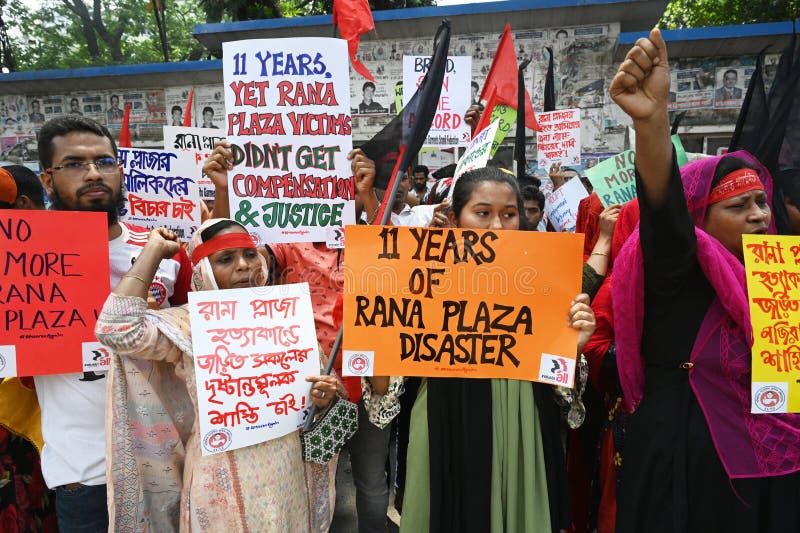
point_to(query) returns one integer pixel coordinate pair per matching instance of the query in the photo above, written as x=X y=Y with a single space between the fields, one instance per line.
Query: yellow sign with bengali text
x=772 y=263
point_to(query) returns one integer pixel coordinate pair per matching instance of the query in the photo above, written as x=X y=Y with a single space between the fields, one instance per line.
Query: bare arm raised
x=641 y=89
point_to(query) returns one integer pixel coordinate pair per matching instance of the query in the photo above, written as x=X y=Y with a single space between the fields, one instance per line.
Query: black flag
x=753 y=118
x=549 y=84
x=410 y=127
x=519 y=140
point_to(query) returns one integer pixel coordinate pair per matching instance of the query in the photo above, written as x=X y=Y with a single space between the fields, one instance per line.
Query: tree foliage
x=73 y=33
x=237 y=10
x=80 y=33
x=701 y=13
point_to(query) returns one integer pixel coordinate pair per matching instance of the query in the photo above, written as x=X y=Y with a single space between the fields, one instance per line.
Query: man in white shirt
x=405 y=215
x=82 y=173
x=420 y=186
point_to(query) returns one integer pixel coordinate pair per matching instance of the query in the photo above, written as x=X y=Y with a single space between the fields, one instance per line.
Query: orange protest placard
x=54 y=268
x=444 y=302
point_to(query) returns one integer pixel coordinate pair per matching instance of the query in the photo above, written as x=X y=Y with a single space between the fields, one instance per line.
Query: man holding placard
x=82 y=173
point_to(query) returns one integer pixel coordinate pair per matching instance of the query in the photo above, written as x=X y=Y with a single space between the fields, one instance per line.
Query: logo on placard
x=2 y=363
x=217 y=440
x=769 y=398
x=96 y=357
x=556 y=369
x=334 y=237
x=358 y=364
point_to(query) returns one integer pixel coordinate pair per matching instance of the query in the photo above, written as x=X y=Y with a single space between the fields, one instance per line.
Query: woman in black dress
x=695 y=458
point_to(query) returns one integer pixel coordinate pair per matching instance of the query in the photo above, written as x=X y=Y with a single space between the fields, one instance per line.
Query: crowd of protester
x=655 y=436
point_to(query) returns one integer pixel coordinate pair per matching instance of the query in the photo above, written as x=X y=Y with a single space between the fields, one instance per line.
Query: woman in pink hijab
x=695 y=458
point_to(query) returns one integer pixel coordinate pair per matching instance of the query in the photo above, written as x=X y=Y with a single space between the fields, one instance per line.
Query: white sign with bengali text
x=161 y=190
x=559 y=141
x=200 y=143
x=253 y=348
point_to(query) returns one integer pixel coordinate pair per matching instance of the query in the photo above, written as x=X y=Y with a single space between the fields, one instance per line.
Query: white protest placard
x=477 y=153
x=253 y=349
x=448 y=127
x=161 y=190
x=561 y=205
x=560 y=138
x=287 y=103
x=200 y=143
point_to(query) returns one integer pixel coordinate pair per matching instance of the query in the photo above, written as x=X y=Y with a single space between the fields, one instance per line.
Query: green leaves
x=700 y=13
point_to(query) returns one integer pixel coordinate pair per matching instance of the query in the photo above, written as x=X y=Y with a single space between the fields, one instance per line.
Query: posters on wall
x=731 y=85
x=175 y=100
x=691 y=88
x=209 y=106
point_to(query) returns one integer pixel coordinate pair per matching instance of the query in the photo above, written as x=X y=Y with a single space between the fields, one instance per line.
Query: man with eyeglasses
x=82 y=173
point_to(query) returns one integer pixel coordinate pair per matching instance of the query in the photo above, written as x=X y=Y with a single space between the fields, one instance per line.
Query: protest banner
x=561 y=205
x=415 y=303
x=476 y=155
x=253 y=349
x=161 y=189
x=288 y=119
x=448 y=128
x=614 y=180
x=199 y=142
x=559 y=141
x=773 y=290
x=55 y=281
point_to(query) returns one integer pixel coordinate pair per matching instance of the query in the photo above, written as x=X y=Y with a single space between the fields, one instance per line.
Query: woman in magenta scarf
x=695 y=459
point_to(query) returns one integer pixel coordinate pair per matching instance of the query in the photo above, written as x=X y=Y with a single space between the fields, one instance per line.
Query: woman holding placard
x=158 y=479
x=695 y=458
x=485 y=455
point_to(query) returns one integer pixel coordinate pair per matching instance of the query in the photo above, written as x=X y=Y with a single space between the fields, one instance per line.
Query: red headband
x=734 y=184
x=222 y=242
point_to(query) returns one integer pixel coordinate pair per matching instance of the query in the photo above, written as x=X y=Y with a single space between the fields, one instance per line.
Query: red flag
x=125 y=130
x=502 y=78
x=486 y=116
x=187 y=118
x=354 y=18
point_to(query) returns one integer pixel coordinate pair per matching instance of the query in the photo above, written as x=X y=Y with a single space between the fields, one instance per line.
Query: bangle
x=599 y=253
x=134 y=276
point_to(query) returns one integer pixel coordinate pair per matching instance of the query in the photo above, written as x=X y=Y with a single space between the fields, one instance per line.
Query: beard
x=112 y=207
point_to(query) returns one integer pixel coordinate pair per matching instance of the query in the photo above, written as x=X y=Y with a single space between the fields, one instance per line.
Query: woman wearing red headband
x=158 y=480
x=695 y=458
